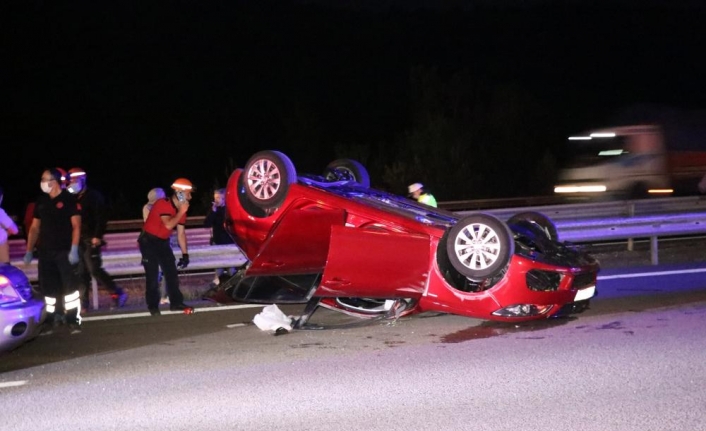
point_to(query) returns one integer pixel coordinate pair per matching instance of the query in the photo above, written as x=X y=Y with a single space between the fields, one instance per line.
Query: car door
x=375 y=263
x=299 y=243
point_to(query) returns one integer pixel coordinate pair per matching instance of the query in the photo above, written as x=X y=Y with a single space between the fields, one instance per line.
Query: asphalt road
x=634 y=361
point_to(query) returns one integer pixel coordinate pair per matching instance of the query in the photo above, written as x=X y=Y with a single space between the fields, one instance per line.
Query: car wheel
x=479 y=246
x=537 y=221
x=267 y=177
x=347 y=169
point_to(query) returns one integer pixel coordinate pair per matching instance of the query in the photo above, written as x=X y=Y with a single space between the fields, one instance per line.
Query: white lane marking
x=146 y=314
x=12 y=384
x=652 y=274
x=235 y=325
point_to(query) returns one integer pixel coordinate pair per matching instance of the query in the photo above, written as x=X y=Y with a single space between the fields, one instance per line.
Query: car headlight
x=8 y=294
x=523 y=310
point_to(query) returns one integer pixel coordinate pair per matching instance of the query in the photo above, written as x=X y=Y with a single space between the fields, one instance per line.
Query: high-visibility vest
x=427 y=199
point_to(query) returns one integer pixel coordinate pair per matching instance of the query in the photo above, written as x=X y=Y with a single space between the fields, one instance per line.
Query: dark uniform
x=215 y=220
x=157 y=252
x=93 y=224
x=57 y=277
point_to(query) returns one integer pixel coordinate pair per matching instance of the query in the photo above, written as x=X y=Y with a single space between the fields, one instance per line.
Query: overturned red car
x=331 y=241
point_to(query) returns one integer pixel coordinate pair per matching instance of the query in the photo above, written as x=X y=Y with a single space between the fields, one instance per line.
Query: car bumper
x=19 y=322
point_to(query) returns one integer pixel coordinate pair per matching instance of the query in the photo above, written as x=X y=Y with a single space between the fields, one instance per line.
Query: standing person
x=418 y=192
x=93 y=225
x=165 y=215
x=7 y=228
x=56 y=223
x=153 y=196
x=215 y=219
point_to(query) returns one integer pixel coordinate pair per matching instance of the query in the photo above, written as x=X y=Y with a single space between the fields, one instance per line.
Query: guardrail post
x=654 y=252
x=94 y=294
x=631 y=213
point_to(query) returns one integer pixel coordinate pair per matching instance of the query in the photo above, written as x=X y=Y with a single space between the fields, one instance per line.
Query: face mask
x=75 y=188
x=46 y=188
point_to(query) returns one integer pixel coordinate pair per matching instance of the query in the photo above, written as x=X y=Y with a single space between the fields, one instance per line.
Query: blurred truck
x=665 y=156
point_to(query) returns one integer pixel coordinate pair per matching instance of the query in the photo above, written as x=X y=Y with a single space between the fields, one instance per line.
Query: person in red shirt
x=166 y=215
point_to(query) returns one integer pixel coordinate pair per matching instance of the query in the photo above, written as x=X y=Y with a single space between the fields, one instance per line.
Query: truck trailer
x=666 y=157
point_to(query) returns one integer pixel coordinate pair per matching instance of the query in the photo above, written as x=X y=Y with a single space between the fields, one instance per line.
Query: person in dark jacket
x=93 y=225
x=215 y=219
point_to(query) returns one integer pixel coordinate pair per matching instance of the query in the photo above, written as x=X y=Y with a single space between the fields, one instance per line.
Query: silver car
x=20 y=313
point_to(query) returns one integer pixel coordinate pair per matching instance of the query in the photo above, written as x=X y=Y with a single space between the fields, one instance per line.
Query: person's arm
x=172 y=221
x=181 y=239
x=75 y=238
x=33 y=234
x=101 y=220
x=7 y=223
x=75 y=229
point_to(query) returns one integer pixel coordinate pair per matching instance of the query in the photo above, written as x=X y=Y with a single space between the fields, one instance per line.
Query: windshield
x=386 y=201
x=597 y=151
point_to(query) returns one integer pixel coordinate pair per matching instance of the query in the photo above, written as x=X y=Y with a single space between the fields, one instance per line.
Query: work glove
x=28 y=257
x=183 y=261
x=73 y=255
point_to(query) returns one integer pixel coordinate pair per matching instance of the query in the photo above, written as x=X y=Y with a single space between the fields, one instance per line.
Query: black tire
x=266 y=179
x=536 y=220
x=347 y=169
x=479 y=246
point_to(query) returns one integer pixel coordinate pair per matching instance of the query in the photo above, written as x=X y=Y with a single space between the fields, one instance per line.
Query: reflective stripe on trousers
x=51 y=304
x=73 y=301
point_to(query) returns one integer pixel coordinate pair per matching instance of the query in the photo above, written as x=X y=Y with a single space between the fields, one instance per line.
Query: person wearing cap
x=93 y=225
x=417 y=191
x=166 y=215
x=56 y=223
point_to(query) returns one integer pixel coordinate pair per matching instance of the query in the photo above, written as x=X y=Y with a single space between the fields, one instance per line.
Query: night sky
x=139 y=93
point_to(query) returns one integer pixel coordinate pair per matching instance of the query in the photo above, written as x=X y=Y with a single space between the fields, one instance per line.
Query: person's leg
x=5 y=252
x=163 y=289
x=50 y=286
x=84 y=273
x=95 y=266
x=71 y=287
x=171 y=277
x=151 y=264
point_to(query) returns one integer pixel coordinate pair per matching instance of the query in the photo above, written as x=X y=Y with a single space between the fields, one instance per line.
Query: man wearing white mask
x=56 y=223
x=93 y=225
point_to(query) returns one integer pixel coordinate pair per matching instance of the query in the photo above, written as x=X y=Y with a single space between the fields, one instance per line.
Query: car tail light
x=543 y=281
x=523 y=310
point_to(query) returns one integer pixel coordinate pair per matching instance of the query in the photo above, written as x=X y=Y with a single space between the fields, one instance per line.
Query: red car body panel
x=299 y=243
x=375 y=263
x=366 y=249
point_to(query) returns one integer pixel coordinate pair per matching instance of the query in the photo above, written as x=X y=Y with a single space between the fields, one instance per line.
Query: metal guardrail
x=623 y=220
x=580 y=223
x=125 y=262
x=594 y=210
